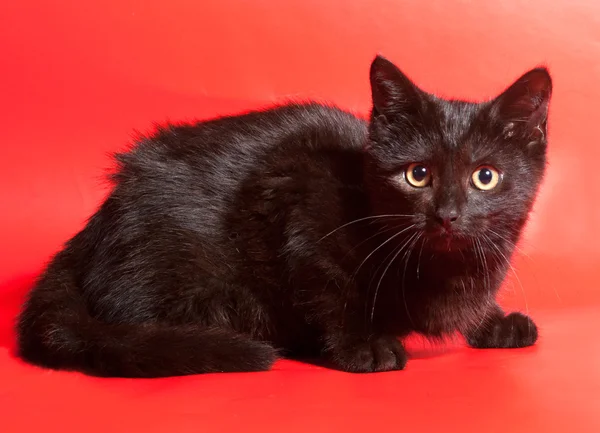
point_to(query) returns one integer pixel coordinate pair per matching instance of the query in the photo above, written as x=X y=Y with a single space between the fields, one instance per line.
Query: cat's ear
x=393 y=93
x=523 y=107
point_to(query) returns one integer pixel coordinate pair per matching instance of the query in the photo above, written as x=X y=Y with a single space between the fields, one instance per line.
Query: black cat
x=301 y=230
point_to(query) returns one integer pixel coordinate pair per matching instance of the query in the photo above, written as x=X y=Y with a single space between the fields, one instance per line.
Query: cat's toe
x=389 y=354
x=521 y=330
x=375 y=355
x=513 y=331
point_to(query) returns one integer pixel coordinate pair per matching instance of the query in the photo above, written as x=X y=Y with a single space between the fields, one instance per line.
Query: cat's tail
x=55 y=330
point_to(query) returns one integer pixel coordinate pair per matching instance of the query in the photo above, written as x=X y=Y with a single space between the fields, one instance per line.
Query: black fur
x=294 y=230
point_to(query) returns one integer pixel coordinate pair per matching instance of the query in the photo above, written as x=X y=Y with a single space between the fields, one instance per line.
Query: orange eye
x=485 y=178
x=418 y=175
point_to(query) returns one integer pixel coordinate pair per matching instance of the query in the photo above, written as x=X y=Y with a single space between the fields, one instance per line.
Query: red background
x=76 y=80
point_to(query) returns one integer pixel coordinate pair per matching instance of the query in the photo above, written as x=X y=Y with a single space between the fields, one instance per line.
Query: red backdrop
x=77 y=78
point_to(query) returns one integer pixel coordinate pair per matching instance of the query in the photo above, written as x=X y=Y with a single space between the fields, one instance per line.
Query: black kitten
x=301 y=229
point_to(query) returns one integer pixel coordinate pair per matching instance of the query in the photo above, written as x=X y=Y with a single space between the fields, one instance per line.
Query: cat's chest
x=444 y=310
x=433 y=300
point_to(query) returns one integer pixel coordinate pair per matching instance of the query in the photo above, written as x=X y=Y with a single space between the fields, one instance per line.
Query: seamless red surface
x=78 y=78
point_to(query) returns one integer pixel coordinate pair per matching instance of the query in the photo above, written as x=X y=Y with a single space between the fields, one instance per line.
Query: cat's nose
x=446 y=217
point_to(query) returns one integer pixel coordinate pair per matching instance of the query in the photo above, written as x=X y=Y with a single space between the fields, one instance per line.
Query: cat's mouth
x=447 y=241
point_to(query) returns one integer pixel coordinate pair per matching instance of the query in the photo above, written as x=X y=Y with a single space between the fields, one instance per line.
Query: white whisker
x=364 y=219
x=513 y=271
x=380 y=232
x=419 y=259
x=378 y=248
x=383 y=275
x=524 y=254
x=385 y=271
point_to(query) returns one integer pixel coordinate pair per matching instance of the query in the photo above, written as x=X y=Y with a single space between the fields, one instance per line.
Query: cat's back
x=227 y=147
x=202 y=165
x=186 y=178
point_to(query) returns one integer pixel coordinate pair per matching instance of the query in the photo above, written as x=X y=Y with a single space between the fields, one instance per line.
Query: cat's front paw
x=514 y=330
x=383 y=353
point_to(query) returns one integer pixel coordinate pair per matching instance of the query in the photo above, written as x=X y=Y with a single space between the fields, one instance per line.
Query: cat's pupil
x=485 y=176
x=419 y=173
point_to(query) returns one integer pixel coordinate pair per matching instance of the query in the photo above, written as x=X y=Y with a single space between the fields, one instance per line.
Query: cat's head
x=456 y=170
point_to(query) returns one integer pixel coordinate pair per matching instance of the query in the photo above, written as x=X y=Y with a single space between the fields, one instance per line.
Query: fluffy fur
x=295 y=231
